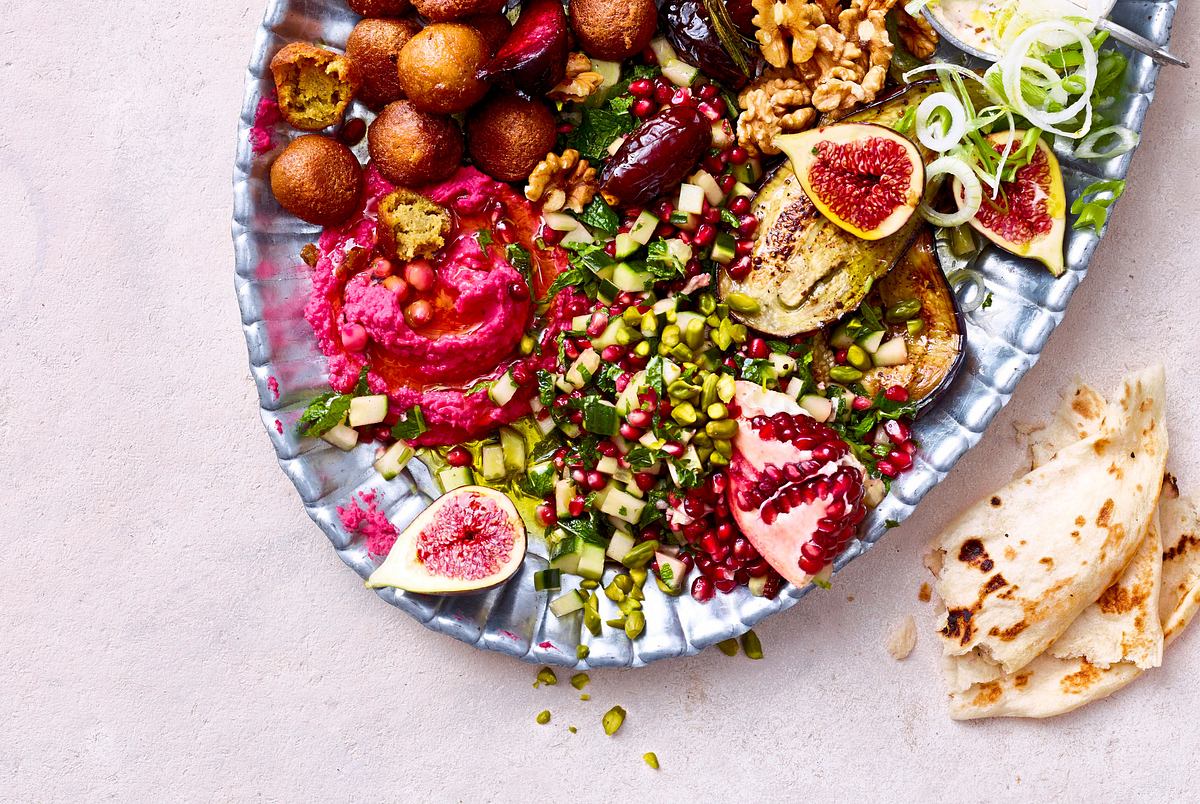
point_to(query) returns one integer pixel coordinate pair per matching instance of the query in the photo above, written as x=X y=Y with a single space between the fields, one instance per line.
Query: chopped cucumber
x=818 y=407
x=749 y=171
x=724 y=249
x=757 y=585
x=600 y=417
x=580 y=323
x=740 y=189
x=680 y=73
x=870 y=342
x=579 y=234
x=564 y=492
x=368 y=410
x=492 y=458
x=643 y=228
x=455 y=477
x=609 y=336
x=722 y=134
x=664 y=306
x=841 y=337
x=892 y=353
x=541 y=475
x=591 y=561
x=690 y=460
x=622 y=505
x=631 y=280
x=626 y=246
x=610 y=72
x=688 y=221
x=583 y=368
x=545 y=426
x=608 y=465
x=559 y=221
x=670 y=369
x=712 y=191
x=392 y=463
x=691 y=199
x=502 y=390
x=620 y=544
x=565 y=555
x=544 y=580
x=343 y=437
x=783 y=364
x=663 y=52
x=671 y=571
x=566 y=604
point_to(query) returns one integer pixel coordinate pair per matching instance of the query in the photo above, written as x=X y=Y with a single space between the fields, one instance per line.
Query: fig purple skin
x=534 y=56
x=657 y=156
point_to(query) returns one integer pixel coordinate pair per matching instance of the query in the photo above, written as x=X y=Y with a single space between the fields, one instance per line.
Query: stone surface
x=173 y=625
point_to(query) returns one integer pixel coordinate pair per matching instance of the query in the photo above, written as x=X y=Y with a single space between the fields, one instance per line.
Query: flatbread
x=1019 y=567
x=1048 y=686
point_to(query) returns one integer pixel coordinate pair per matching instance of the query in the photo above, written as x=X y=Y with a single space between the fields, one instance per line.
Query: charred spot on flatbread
x=1186 y=542
x=1118 y=600
x=1170 y=487
x=1078 y=683
x=1021 y=680
x=924 y=594
x=1105 y=516
x=996 y=502
x=958 y=625
x=1101 y=445
x=1047 y=562
x=972 y=552
x=1010 y=633
x=1086 y=405
x=988 y=694
x=995 y=582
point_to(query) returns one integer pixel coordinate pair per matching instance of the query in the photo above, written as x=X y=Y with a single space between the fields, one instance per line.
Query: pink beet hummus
x=482 y=306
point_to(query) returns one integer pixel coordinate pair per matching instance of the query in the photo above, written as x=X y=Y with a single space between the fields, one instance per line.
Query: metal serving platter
x=272 y=283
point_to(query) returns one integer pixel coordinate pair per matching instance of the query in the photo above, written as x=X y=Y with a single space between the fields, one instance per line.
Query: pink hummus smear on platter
x=482 y=307
x=368 y=521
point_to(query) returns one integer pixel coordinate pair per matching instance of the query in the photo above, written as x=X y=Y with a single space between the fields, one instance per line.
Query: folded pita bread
x=1050 y=686
x=1018 y=568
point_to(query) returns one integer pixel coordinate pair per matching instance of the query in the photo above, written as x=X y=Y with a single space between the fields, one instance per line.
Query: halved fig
x=806 y=271
x=795 y=489
x=933 y=348
x=1028 y=218
x=864 y=177
x=468 y=540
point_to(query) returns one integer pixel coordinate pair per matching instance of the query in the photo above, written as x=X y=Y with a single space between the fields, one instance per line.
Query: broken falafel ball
x=410 y=225
x=314 y=86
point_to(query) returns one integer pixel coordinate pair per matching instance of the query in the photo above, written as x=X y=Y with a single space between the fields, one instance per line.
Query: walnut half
x=562 y=180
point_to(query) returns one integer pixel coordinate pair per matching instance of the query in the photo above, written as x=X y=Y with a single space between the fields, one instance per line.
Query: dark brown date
x=656 y=156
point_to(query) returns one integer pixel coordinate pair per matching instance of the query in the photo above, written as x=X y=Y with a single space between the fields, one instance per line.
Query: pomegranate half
x=795 y=489
x=864 y=177
x=1028 y=217
x=468 y=540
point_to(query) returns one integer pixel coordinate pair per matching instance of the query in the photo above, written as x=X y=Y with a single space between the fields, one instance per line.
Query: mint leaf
x=599 y=215
x=411 y=425
x=334 y=412
x=597 y=130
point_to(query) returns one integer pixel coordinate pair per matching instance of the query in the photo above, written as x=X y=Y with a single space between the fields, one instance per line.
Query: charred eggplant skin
x=806 y=271
x=935 y=355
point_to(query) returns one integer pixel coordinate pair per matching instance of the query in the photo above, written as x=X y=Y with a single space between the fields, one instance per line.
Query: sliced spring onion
x=1017 y=61
x=1124 y=142
x=913 y=7
x=968 y=191
x=932 y=133
x=969 y=289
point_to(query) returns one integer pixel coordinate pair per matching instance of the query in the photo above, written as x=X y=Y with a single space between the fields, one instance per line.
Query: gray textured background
x=174 y=624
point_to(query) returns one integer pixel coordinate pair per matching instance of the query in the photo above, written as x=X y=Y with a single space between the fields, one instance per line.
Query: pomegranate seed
x=739 y=155
x=901 y=460
x=702 y=589
x=739 y=205
x=897 y=431
x=861 y=403
x=757 y=348
x=739 y=269
x=579 y=476
x=725 y=585
x=719 y=107
x=682 y=97
x=886 y=469
x=459 y=456
x=644 y=480
x=630 y=433
x=608 y=449
x=643 y=107
x=897 y=393
x=547 y=515
x=673 y=448
x=665 y=230
x=714 y=163
x=663 y=93
x=610 y=248
x=708 y=92
x=575 y=507
x=743 y=551
x=641 y=88
x=726 y=182
x=841 y=356
x=705 y=235
x=747 y=225
x=663 y=209
x=744 y=247
x=710 y=214
x=596 y=480
x=811 y=566
x=612 y=354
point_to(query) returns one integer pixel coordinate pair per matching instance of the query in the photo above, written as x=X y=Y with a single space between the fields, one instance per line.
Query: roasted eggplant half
x=806 y=271
x=920 y=347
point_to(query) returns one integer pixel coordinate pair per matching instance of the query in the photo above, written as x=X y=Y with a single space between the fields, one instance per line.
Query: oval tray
x=1003 y=342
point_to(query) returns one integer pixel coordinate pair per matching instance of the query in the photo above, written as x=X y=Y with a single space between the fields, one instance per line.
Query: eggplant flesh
x=807 y=271
x=936 y=352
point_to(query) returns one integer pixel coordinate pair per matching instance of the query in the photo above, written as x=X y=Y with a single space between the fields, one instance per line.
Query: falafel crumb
x=411 y=225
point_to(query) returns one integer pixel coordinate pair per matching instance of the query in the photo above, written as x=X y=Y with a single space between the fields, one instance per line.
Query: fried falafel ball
x=410 y=225
x=318 y=180
x=381 y=8
x=446 y=10
x=613 y=29
x=411 y=147
x=438 y=67
x=508 y=135
x=313 y=85
x=374 y=45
